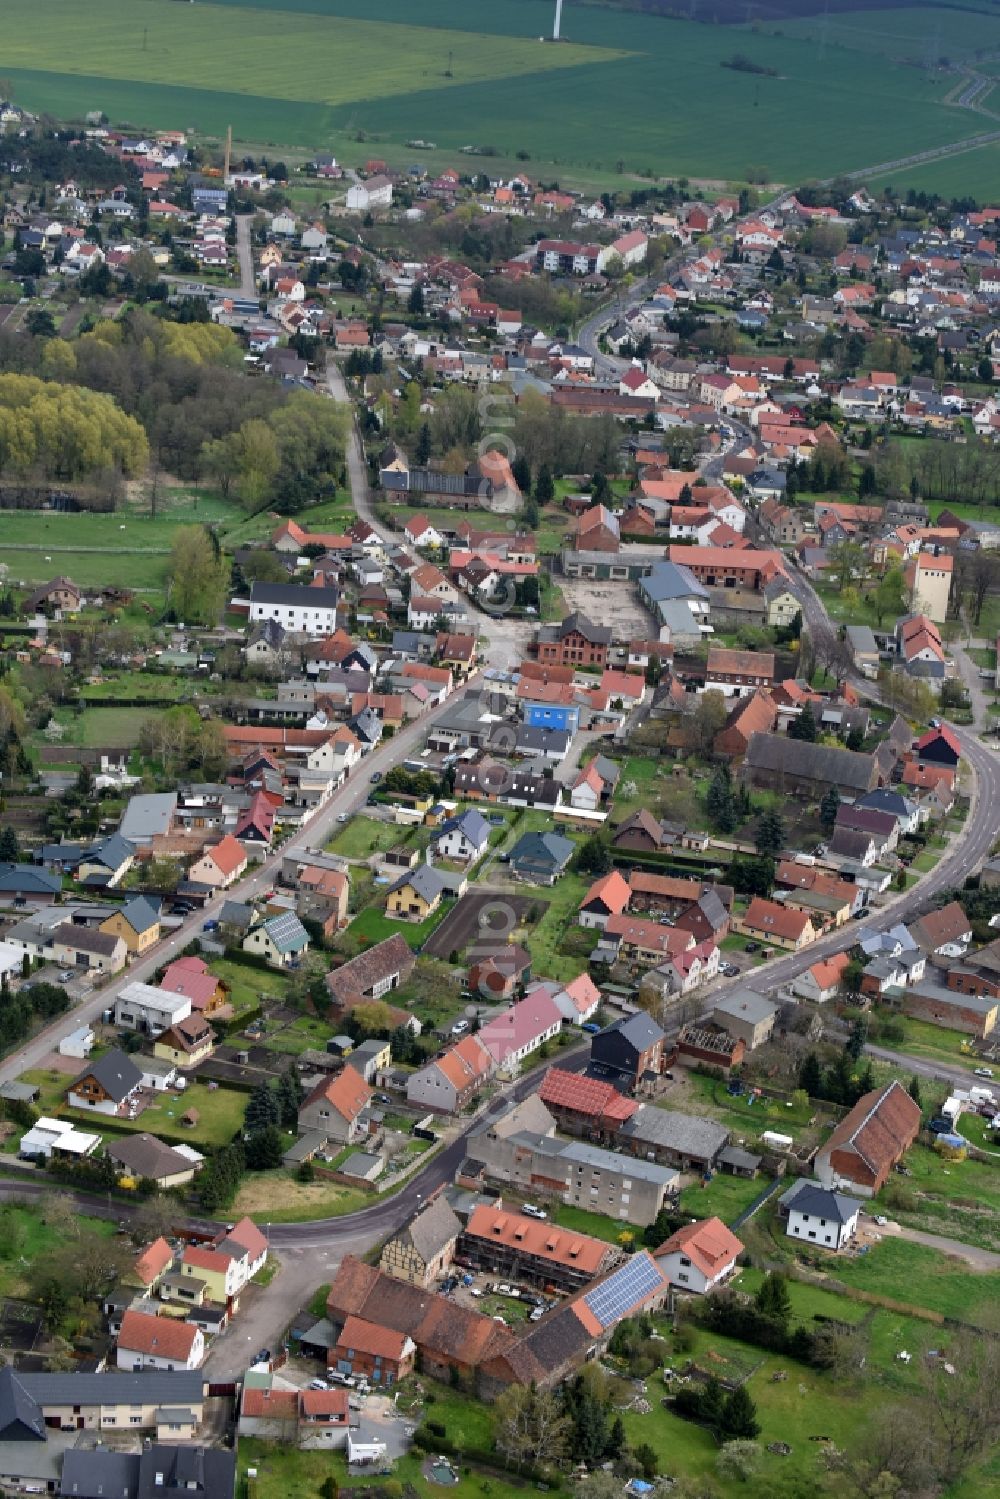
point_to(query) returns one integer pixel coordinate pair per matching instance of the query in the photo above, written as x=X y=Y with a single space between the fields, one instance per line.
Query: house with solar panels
x=552 y=1349
x=282 y=941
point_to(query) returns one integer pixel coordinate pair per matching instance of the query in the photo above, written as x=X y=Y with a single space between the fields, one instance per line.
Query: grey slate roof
x=99 y=1473
x=470 y=822
x=148 y=816
x=818 y=1202
x=683 y=1133
x=640 y=1030
x=745 y=1004
x=141 y=914
x=22 y=879
x=294 y=595
x=20 y=1415
x=546 y=850
x=671 y=580
x=152 y=1386
x=432 y=1228
x=424 y=879
x=116 y=1072
x=817 y=762
x=112 y=851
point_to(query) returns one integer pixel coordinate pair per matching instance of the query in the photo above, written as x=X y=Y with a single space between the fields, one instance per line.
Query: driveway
x=984 y=1261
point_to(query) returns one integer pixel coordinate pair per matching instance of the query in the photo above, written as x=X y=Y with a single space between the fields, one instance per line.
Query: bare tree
x=531 y=1427
x=964 y=1406
x=978 y=577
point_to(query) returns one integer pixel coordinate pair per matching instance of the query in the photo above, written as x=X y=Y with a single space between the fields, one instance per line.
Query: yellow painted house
x=187 y=1043
x=137 y=924
x=417 y=895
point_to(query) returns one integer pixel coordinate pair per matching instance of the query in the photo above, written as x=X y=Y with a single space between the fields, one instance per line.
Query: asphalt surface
x=244 y=254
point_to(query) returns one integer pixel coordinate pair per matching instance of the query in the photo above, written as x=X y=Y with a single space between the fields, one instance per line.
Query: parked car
x=941 y=1126
x=590 y=1028
x=531 y=1211
x=343 y=816
x=983 y=1072
x=751 y=947
x=66 y=976
x=460 y=1027
x=376 y=776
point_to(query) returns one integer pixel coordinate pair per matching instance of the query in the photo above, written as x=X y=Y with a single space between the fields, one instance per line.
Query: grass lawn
x=363 y=836
x=958 y=1199
x=750 y=1118
x=922 y=1277
x=724 y=1197
x=933 y=1043
x=143 y=684
x=248 y=985
x=308 y=1031
x=276 y=1197
x=559 y=921
x=597 y=1225
x=373 y=925
x=853 y=609
x=650 y=777
x=24 y=1236
x=96 y=727
x=220 y=1112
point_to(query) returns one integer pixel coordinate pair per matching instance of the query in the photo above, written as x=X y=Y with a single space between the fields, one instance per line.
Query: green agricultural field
x=915 y=35
x=315 y=73
x=126 y=549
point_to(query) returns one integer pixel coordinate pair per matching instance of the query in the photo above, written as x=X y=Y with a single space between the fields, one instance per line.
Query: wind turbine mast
x=558 y=20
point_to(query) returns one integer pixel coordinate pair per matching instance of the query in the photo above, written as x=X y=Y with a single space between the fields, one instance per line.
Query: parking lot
x=507 y=1301
x=616 y=604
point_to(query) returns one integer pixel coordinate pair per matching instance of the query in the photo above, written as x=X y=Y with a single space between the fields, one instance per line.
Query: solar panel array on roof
x=623 y=1290
x=286 y=931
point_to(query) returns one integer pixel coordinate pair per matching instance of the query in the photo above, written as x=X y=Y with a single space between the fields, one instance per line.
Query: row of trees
x=180 y=395
x=65 y=432
x=182 y=741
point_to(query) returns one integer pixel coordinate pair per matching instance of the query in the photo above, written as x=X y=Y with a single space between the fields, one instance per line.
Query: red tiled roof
x=330 y=1404
x=246 y=1235
x=585 y=1095
x=769 y=918
x=542 y=1241
x=228 y=855
x=879 y=1128
x=370 y=1338
x=272 y=1405
x=153 y=1260
x=347 y=1093
x=709 y=1245
x=165 y=1337
x=612 y=890
x=951 y=739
